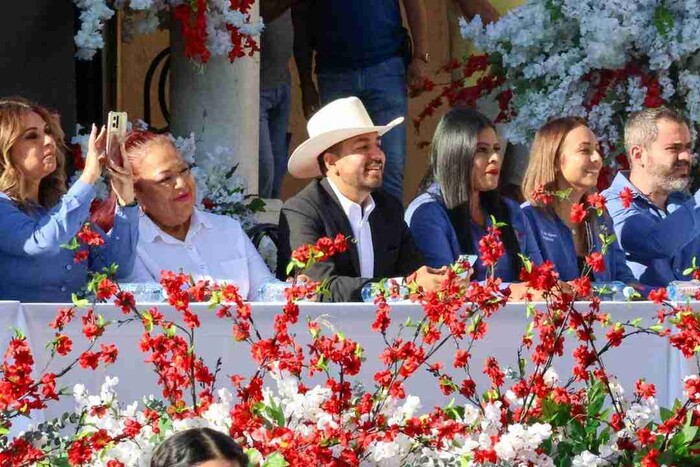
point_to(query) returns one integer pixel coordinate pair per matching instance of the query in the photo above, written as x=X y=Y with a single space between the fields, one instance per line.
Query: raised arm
x=21 y=235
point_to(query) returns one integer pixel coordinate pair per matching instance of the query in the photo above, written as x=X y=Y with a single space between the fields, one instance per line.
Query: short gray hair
x=641 y=128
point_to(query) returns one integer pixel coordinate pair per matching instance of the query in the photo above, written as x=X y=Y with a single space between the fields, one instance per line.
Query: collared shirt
x=658 y=243
x=435 y=236
x=216 y=248
x=358 y=216
x=33 y=265
x=557 y=245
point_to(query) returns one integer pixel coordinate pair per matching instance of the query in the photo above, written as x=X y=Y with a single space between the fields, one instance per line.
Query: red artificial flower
x=63 y=344
x=626 y=196
x=89 y=360
x=658 y=296
x=644 y=390
x=578 y=213
x=89 y=237
x=596 y=261
x=494 y=372
x=615 y=335
x=542 y=196
x=48 y=386
x=596 y=201
x=491 y=247
x=461 y=358
x=692 y=389
x=105 y=289
x=651 y=459
x=108 y=353
x=79 y=452
x=125 y=301
x=80 y=256
x=63 y=317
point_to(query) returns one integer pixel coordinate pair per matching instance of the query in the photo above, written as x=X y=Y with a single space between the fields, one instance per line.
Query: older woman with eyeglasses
x=174 y=234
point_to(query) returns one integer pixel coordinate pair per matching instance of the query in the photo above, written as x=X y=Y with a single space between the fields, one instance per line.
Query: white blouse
x=216 y=248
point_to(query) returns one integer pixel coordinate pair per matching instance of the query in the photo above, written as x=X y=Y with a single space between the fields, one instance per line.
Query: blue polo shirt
x=435 y=236
x=352 y=34
x=659 y=243
x=556 y=244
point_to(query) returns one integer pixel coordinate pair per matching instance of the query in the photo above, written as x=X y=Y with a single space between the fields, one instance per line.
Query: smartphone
x=116 y=133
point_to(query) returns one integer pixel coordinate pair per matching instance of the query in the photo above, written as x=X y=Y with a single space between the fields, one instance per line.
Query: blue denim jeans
x=382 y=89
x=275 y=104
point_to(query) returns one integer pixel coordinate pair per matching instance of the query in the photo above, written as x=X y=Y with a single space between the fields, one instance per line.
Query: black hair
x=197 y=445
x=451 y=160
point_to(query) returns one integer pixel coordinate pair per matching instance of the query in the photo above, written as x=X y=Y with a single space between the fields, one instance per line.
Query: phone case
x=116 y=131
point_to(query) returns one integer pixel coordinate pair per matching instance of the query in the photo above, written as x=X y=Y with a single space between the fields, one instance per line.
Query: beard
x=664 y=178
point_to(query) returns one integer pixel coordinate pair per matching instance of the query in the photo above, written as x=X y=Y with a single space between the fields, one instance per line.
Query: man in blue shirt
x=656 y=222
x=363 y=50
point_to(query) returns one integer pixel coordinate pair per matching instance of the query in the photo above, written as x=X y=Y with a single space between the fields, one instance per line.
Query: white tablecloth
x=642 y=356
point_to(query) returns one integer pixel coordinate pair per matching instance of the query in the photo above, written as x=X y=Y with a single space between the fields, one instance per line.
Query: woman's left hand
x=122 y=179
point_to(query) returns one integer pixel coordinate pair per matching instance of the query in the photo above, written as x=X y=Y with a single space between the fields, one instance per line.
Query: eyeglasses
x=171 y=180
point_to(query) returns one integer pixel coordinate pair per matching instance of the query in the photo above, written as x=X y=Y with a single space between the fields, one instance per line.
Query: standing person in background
x=275 y=95
x=363 y=50
x=483 y=8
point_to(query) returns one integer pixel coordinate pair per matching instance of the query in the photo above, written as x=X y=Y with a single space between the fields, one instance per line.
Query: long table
x=642 y=356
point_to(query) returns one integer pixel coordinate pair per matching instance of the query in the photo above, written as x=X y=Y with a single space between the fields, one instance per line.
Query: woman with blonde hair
x=565 y=157
x=38 y=215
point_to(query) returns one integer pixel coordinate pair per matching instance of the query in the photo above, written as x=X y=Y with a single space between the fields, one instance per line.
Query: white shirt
x=216 y=248
x=361 y=232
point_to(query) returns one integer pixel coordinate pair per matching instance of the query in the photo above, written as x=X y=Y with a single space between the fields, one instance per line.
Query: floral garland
x=597 y=59
x=209 y=27
x=527 y=416
x=219 y=188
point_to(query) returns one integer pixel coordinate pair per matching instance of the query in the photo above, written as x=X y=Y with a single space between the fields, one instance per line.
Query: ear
x=636 y=155
x=329 y=159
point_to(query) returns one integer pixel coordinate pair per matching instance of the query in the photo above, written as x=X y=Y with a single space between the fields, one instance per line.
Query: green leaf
x=290 y=268
x=359 y=351
x=275 y=460
x=79 y=302
x=663 y=20
x=527 y=264
x=656 y=327
x=72 y=245
x=530 y=310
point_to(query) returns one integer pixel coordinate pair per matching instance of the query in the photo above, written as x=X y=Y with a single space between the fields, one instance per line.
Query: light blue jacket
x=557 y=245
x=659 y=244
x=435 y=236
x=34 y=267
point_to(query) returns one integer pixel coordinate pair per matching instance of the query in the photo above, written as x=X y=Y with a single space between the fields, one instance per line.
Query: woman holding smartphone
x=460 y=200
x=39 y=215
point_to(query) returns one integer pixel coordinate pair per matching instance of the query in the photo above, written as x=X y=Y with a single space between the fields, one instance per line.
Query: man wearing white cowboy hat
x=343 y=153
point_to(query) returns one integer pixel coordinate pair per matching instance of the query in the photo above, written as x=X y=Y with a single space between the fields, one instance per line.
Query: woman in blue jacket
x=38 y=215
x=459 y=199
x=565 y=157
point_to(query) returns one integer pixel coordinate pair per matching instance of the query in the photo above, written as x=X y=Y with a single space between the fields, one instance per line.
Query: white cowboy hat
x=335 y=122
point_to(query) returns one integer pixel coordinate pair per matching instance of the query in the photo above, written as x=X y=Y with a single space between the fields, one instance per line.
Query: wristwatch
x=424 y=57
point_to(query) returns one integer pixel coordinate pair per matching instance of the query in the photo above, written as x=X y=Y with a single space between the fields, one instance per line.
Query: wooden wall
x=444 y=42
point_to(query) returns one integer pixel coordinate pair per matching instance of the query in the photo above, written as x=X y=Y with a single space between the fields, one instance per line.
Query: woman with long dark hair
x=459 y=200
